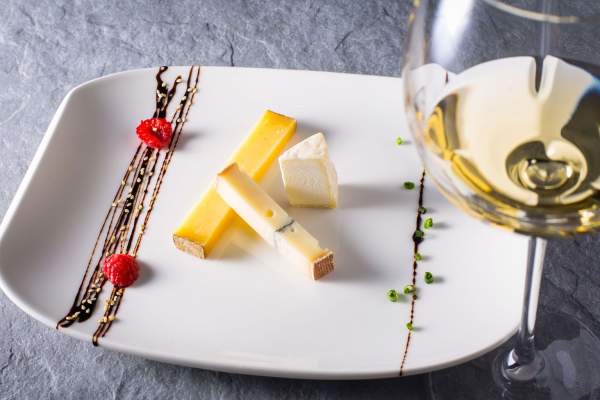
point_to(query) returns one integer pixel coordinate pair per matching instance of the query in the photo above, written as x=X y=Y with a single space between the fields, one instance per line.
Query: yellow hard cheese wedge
x=271 y=222
x=201 y=229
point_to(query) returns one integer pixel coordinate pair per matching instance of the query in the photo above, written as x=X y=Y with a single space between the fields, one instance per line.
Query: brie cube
x=271 y=221
x=309 y=177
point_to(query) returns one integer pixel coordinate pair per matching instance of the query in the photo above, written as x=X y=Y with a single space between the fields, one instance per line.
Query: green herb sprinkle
x=428 y=277
x=428 y=223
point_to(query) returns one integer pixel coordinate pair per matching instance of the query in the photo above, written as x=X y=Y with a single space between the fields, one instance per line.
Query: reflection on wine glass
x=503 y=101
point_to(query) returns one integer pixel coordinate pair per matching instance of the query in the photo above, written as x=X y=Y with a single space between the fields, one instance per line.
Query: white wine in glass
x=503 y=100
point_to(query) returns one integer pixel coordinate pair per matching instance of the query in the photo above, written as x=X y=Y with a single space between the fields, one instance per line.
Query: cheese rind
x=271 y=222
x=309 y=176
x=203 y=226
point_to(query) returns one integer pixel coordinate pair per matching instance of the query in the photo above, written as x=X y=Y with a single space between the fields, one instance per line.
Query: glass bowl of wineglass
x=503 y=101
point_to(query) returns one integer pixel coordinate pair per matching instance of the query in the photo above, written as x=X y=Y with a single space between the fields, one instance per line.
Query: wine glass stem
x=523 y=362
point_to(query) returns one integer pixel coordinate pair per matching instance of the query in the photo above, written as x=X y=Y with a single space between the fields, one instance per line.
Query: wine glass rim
x=538 y=15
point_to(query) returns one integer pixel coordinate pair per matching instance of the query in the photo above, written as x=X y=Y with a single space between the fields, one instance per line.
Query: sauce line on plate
x=120 y=226
x=416 y=242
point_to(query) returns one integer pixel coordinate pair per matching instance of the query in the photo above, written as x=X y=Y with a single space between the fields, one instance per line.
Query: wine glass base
x=568 y=351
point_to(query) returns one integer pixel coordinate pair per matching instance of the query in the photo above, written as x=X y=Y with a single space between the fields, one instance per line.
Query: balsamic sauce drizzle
x=416 y=242
x=120 y=226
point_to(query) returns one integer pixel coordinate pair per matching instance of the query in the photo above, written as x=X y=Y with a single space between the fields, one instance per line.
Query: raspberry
x=121 y=269
x=155 y=132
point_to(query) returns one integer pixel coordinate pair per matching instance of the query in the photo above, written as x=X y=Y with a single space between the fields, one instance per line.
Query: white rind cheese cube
x=309 y=176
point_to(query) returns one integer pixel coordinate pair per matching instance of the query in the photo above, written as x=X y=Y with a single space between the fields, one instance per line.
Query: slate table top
x=49 y=46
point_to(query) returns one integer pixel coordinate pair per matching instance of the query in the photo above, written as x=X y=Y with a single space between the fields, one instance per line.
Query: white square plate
x=245 y=309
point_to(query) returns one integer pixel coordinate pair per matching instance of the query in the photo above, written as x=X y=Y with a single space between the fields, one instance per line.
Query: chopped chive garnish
x=393 y=295
x=419 y=234
x=428 y=277
x=408 y=289
x=409 y=185
x=409 y=326
x=418 y=257
x=428 y=223
x=399 y=141
x=422 y=210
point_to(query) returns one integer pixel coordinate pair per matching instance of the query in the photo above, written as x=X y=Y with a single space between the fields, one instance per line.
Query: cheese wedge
x=203 y=226
x=272 y=223
x=308 y=175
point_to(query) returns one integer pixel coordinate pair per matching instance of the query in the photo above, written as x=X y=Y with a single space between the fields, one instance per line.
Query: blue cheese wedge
x=309 y=176
x=271 y=222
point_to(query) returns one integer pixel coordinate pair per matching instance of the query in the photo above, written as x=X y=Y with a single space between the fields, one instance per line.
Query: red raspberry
x=155 y=132
x=121 y=269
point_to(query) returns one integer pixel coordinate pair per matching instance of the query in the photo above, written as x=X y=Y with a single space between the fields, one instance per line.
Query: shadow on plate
x=146 y=273
x=368 y=195
x=186 y=138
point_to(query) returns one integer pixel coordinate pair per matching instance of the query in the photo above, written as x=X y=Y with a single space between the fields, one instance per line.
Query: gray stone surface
x=48 y=46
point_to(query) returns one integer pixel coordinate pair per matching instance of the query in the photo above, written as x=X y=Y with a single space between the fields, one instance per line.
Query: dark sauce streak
x=110 y=311
x=416 y=242
x=108 y=244
x=120 y=225
x=145 y=174
x=179 y=118
x=112 y=305
x=85 y=301
x=161 y=93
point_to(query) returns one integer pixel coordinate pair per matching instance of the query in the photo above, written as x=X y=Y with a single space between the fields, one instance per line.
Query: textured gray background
x=48 y=46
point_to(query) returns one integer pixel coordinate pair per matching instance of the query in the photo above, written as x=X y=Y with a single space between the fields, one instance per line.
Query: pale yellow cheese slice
x=202 y=227
x=272 y=223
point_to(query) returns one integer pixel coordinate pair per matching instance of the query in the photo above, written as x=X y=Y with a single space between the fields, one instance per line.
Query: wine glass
x=503 y=102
